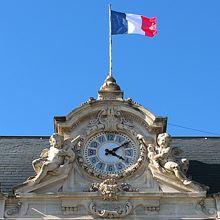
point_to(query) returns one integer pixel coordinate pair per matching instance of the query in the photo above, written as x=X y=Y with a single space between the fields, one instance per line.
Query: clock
x=110 y=153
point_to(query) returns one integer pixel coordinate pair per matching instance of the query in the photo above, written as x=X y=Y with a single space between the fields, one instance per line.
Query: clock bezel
x=130 y=170
x=87 y=147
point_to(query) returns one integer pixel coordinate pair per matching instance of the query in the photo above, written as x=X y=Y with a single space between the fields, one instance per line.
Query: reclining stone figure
x=161 y=158
x=52 y=160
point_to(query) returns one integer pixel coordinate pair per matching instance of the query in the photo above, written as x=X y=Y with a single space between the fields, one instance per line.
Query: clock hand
x=124 y=144
x=116 y=155
x=107 y=152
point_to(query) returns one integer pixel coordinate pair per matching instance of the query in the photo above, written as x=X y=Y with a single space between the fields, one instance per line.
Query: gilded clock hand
x=122 y=145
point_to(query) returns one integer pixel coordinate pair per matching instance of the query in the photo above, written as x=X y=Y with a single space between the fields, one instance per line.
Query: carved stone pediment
x=105 y=113
x=109 y=119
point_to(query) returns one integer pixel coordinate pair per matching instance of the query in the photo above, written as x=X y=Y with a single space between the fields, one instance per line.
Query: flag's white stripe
x=134 y=24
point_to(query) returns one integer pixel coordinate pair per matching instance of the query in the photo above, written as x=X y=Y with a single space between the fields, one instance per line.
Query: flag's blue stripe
x=119 y=23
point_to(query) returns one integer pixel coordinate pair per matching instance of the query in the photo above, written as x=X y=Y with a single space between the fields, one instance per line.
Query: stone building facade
x=110 y=158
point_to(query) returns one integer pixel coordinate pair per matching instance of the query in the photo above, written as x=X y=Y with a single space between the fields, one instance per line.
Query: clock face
x=110 y=153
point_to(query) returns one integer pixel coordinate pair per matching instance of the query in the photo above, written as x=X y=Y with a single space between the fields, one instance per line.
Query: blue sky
x=54 y=56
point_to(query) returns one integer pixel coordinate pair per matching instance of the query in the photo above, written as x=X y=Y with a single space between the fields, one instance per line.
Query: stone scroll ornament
x=56 y=160
x=117 y=211
x=13 y=209
x=161 y=158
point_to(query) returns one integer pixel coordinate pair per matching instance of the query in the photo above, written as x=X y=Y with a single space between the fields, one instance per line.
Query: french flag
x=123 y=23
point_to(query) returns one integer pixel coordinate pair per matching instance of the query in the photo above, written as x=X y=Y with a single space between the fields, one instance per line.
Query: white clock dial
x=110 y=153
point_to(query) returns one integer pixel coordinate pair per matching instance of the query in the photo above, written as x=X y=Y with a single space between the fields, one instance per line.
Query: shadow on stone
x=207 y=174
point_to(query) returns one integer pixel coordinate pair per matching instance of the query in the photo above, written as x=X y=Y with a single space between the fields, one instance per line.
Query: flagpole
x=110 y=40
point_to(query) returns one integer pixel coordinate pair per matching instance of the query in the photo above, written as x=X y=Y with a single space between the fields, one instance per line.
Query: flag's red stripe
x=149 y=26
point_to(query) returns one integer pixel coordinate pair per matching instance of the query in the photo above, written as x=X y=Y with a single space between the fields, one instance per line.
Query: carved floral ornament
x=109 y=119
x=110 y=189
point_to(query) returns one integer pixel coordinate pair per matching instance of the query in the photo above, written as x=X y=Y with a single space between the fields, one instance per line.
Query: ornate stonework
x=161 y=158
x=110 y=90
x=108 y=119
x=13 y=209
x=110 y=189
x=127 y=172
x=163 y=163
x=117 y=210
x=54 y=161
x=110 y=158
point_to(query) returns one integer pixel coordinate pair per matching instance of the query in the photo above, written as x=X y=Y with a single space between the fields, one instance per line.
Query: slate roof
x=17 y=153
x=204 y=156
